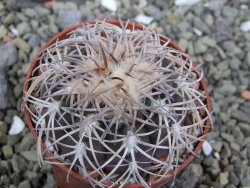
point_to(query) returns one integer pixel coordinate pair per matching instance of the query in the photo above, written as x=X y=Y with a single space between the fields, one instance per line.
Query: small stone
x=196 y=169
x=229 y=12
x=9 y=19
x=3 y=31
x=18 y=163
x=21 y=44
x=7 y=151
x=217 y=146
x=240 y=116
x=34 y=40
x=24 y=184
x=17 y=126
x=223 y=178
x=25 y=67
x=141 y=18
x=67 y=18
x=13 y=139
x=30 y=12
x=23 y=28
x=183 y=44
x=208 y=41
x=4 y=101
x=227 y=89
x=3 y=138
x=235 y=146
x=199 y=47
x=208 y=57
x=3 y=127
x=26 y=142
x=245 y=95
x=209 y=20
x=207 y=148
x=245 y=26
x=227 y=137
x=248 y=58
x=185 y=2
x=8 y=55
x=233 y=178
x=29 y=155
x=245 y=182
x=197 y=32
x=109 y=4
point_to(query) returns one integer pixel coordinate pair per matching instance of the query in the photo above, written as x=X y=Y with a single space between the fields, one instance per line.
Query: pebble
x=186 y=2
x=21 y=44
x=109 y=4
x=227 y=137
x=199 y=47
x=18 y=163
x=4 y=90
x=29 y=155
x=26 y=142
x=7 y=151
x=233 y=178
x=23 y=28
x=223 y=178
x=24 y=184
x=207 y=148
x=227 y=89
x=3 y=31
x=9 y=19
x=8 y=54
x=245 y=26
x=67 y=18
x=245 y=95
x=141 y=18
x=17 y=126
x=34 y=40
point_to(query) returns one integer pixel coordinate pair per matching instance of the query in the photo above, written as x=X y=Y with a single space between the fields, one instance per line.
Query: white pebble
x=186 y=2
x=17 y=126
x=141 y=18
x=109 y=4
x=207 y=148
x=197 y=32
x=245 y=26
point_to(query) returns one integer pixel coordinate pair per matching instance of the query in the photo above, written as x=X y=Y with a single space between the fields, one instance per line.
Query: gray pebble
x=18 y=163
x=233 y=178
x=9 y=19
x=67 y=18
x=34 y=40
x=7 y=151
x=223 y=178
x=26 y=142
x=199 y=47
x=24 y=184
x=4 y=101
x=29 y=155
x=8 y=55
x=21 y=44
x=3 y=31
x=23 y=28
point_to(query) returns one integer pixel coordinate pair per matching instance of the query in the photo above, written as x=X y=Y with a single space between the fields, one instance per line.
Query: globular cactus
x=116 y=102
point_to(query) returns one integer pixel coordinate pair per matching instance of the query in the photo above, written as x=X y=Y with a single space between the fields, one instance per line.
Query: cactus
x=116 y=102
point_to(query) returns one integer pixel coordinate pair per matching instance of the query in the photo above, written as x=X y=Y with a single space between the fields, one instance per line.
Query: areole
x=77 y=180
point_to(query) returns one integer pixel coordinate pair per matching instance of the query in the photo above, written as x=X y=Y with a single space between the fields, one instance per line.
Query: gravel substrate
x=216 y=34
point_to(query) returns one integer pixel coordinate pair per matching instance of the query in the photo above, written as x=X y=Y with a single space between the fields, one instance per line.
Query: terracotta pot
x=77 y=180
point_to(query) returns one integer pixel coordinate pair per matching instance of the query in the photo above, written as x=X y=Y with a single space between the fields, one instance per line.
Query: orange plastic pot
x=77 y=180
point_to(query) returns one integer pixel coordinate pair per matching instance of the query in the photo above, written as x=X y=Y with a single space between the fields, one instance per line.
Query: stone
x=241 y=116
x=4 y=101
x=141 y=18
x=3 y=138
x=183 y=44
x=17 y=126
x=7 y=151
x=185 y=2
x=207 y=148
x=223 y=178
x=9 y=19
x=29 y=155
x=3 y=31
x=8 y=54
x=196 y=169
x=208 y=41
x=18 y=163
x=199 y=47
x=109 y=4
x=247 y=59
x=23 y=28
x=208 y=57
x=26 y=142
x=21 y=44
x=67 y=18
x=227 y=137
x=24 y=184
x=217 y=146
x=245 y=182
x=199 y=24
x=227 y=89
x=245 y=26
x=34 y=40
x=3 y=127
x=209 y=20
x=233 y=178
x=235 y=146
x=30 y=12
x=229 y=11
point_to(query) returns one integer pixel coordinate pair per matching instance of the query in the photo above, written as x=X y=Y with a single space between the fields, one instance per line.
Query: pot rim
x=63 y=35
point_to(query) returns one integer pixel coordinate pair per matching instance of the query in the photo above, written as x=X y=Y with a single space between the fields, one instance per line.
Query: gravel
x=214 y=33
